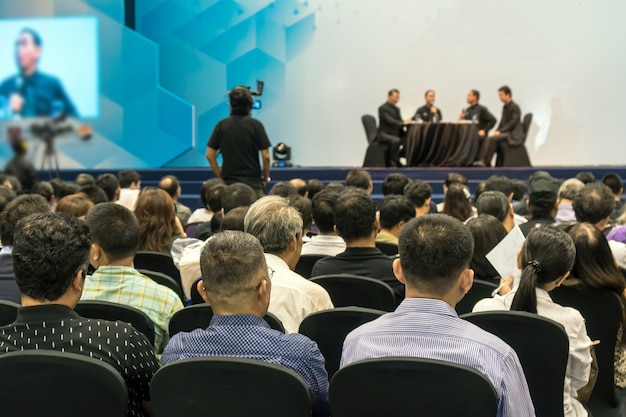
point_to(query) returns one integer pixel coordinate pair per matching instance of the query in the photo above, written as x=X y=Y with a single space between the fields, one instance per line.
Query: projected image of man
x=31 y=93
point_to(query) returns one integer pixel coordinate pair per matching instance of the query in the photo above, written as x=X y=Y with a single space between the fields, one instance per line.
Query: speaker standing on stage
x=239 y=138
x=390 y=125
x=510 y=128
x=428 y=113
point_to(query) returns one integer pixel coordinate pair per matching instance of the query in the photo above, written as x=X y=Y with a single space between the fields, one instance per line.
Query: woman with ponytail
x=546 y=260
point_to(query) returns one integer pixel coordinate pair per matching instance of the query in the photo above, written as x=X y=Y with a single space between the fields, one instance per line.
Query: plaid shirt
x=124 y=285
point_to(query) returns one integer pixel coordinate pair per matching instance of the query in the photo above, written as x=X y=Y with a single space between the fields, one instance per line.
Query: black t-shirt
x=239 y=139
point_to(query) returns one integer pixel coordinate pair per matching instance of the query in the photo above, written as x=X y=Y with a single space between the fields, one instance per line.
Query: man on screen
x=391 y=125
x=428 y=113
x=32 y=93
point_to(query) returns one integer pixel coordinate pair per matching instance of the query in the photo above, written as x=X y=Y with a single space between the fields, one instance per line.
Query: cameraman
x=239 y=138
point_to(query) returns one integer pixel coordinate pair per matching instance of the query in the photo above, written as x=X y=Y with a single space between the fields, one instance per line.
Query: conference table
x=453 y=144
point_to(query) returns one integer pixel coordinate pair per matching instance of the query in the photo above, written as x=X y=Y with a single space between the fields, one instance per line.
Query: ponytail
x=525 y=298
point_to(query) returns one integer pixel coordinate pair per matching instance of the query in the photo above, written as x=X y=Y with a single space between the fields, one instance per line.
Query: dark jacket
x=511 y=123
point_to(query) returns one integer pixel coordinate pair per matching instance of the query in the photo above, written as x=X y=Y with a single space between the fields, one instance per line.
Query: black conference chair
x=352 y=290
x=228 y=387
x=602 y=311
x=388 y=248
x=329 y=328
x=164 y=280
x=515 y=156
x=159 y=262
x=377 y=154
x=542 y=347
x=112 y=312
x=480 y=289
x=58 y=384
x=199 y=316
x=306 y=263
x=398 y=387
x=8 y=312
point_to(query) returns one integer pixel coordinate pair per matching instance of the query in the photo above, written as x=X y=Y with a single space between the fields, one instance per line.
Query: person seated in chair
x=395 y=211
x=428 y=113
x=326 y=242
x=542 y=203
x=390 y=126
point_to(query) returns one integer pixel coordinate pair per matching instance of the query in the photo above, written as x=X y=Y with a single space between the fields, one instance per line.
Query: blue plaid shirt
x=250 y=337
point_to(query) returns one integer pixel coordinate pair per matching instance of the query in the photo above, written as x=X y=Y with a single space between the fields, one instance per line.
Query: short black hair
x=172 y=187
x=428 y=91
x=355 y=215
x=393 y=90
x=211 y=194
x=586 y=177
x=519 y=189
x=394 y=184
x=234 y=219
x=16 y=185
x=313 y=186
x=359 y=178
x=240 y=101
x=283 y=189
x=83 y=179
x=115 y=229
x=17 y=209
x=395 y=209
x=94 y=193
x=418 y=192
x=303 y=205
x=614 y=182
x=500 y=183
x=455 y=178
x=323 y=206
x=237 y=195
x=488 y=232
x=6 y=196
x=593 y=203
x=48 y=251
x=109 y=184
x=494 y=203
x=128 y=177
x=506 y=90
x=216 y=222
x=33 y=34
x=44 y=189
x=476 y=94
x=434 y=251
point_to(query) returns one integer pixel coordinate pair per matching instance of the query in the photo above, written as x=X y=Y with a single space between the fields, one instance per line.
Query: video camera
x=256 y=104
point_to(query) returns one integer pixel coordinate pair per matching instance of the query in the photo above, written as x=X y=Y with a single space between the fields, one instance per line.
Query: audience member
x=356 y=223
x=395 y=212
x=278 y=227
x=458 y=202
x=335 y=186
x=435 y=254
x=237 y=195
x=211 y=197
x=110 y=185
x=20 y=167
x=62 y=189
x=359 y=178
x=234 y=220
x=313 y=187
x=567 y=192
x=300 y=186
x=520 y=188
x=51 y=255
x=480 y=188
x=542 y=203
x=14 y=183
x=394 y=184
x=586 y=177
x=546 y=260
x=451 y=178
x=94 y=193
x=171 y=185
x=76 y=205
x=114 y=232
x=326 y=242
x=130 y=184
x=239 y=285
x=158 y=224
x=6 y=196
x=488 y=231
x=419 y=193
x=497 y=205
x=506 y=187
x=44 y=189
x=614 y=182
x=21 y=207
x=283 y=189
x=303 y=205
x=84 y=179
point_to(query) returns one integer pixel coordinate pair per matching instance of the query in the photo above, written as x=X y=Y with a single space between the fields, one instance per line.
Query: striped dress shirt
x=431 y=329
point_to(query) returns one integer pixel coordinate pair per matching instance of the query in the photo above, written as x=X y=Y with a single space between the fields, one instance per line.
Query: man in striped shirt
x=435 y=253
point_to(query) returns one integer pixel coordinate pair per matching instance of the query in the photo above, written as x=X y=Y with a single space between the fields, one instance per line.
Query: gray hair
x=274 y=222
x=570 y=188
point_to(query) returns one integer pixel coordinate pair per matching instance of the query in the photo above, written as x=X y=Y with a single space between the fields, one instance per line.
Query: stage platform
x=191 y=178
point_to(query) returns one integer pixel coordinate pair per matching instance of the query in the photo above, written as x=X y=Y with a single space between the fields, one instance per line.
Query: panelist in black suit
x=428 y=113
x=510 y=128
x=390 y=125
x=479 y=114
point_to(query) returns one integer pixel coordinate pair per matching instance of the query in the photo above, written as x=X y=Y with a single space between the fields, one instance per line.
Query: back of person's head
x=237 y=195
x=493 y=203
x=335 y=186
x=128 y=177
x=593 y=203
x=300 y=185
x=303 y=205
x=586 y=177
x=480 y=189
x=156 y=214
x=19 y=208
x=49 y=250
x=434 y=251
x=547 y=255
x=44 y=189
x=109 y=184
x=542 y=196
x=313 y=186
x=488 y=231
x=170 y=185
x=63 y=189
x=216 y=222
x=323 y=210
x=6 y=196
x=538 y=174
x=232 y=265
x=274 y=222
x=234 y=219
x=14 y=183
x=500 y=183
x=418 y=192
x=458 y=202
x=76 y=205
x=519 y=190
x=355 y=215
x=394 y=184
x=455 y=178
x=283 y=189
x=94 y=193
x=614 y=182
x=240 y=101
x=569 y=188
x=359 y=178
x=394 y=210
x=114 y=229
x=211 y=194
x=84 y=179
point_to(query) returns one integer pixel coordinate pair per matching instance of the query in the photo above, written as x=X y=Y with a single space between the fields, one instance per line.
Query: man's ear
x=336 y=230
x=264 y=292
x=397 y=271
x=96 y=255
x=466 y=280
x=79 y=281
x=202 y=292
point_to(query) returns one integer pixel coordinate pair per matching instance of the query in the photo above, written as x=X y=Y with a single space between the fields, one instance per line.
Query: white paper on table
x=504 y=256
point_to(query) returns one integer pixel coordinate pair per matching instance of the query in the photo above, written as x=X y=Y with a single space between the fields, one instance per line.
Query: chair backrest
x=199 y=316
x=388 y=248
x=228 y=387
x=112 y=312
x=165 y=280
x=602 y=311
x=159 y=262
x=369 y=124
x=329 y=328
x=542 y=347
x=480 y=289
x=526 y=121
x=8 y=312
x=58 y=384
x=306 y=263
x=352 y=290
x=410 y=387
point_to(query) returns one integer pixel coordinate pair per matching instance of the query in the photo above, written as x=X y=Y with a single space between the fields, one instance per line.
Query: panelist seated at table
x=428 y=113
x=390 y=125
x=479 y=114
